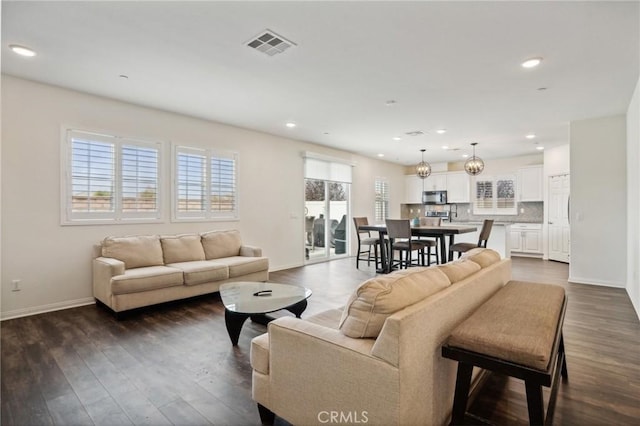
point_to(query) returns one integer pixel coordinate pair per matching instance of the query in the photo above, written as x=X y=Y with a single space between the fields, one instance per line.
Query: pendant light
x=423 y=169
x=474 y=165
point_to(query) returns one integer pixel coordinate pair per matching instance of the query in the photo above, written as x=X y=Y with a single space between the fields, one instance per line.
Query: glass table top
x=261 y=298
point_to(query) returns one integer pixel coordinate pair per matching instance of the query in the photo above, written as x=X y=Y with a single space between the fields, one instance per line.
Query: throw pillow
x=482 y=256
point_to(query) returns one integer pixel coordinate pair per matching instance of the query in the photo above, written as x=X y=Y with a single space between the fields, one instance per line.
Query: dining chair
x=482 y=240
x=432 y=221
x=365 y=239
x=399 y=232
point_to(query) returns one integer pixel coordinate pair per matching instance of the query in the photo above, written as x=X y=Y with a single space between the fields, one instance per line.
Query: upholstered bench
x=518 y=332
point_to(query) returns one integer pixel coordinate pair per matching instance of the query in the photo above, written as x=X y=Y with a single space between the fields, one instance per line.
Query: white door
x=559 y=229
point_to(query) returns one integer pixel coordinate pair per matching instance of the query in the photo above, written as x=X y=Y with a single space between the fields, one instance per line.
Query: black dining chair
x=432 y=221
x=365 y=239
x=482 y=240
x=399 y=232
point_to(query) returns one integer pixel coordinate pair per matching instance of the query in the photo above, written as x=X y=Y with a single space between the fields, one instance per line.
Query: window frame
x=494 y=208
x=117 y=216
x=208 y=214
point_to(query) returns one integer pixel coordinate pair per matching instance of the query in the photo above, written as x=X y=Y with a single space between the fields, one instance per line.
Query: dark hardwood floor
x=174 y=364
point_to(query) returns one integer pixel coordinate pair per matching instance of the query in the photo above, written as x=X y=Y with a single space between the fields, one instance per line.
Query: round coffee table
x=245 y=299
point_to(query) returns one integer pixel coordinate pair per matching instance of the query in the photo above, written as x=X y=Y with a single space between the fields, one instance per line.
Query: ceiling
x=447 y=65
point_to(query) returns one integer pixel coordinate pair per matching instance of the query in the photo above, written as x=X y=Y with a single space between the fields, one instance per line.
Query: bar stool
x=482 y=240
x=365 y=239
x=401 y=229
x=432 y=221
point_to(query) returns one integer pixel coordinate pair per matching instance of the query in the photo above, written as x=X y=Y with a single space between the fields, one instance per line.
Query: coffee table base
x=235 y=320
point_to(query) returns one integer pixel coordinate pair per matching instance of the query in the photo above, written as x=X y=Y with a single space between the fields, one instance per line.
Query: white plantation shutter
x=495 y=195
x=107 y=179
x=206 y=184
x=382 y=199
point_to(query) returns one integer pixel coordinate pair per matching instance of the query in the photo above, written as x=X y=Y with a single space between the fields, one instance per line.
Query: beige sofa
x=377 y=361
x=135 y=271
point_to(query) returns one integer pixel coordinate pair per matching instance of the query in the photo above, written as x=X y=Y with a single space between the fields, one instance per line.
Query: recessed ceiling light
x=465 y=155
x=539 y=148
x=397 y=138
x=530 y=136
x=290 y=125
x=445 y=147
x=380 y=155
x=441 y=131
x=531 y=63
x=21 y=50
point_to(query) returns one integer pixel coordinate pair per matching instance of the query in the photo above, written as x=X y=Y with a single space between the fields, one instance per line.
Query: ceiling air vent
x=415 y=133
x=270 y=43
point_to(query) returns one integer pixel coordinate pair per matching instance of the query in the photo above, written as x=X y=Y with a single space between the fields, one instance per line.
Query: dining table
x=439 y=232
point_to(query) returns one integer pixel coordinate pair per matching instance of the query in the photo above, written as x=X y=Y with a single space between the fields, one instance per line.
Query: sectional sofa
x=135 y=271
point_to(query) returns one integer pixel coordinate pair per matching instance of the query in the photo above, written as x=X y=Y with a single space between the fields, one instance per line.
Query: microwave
x=434 y=197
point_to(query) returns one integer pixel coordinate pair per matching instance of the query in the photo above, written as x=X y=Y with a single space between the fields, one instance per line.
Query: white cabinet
x=436 y=182
x=458 y=187
x=526 y=238
x=412 y=189
x=530 y=184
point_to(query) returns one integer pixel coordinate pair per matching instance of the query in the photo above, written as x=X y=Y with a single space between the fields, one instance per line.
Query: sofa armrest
x=313 y=369
x=250 y=251
x=105 y=268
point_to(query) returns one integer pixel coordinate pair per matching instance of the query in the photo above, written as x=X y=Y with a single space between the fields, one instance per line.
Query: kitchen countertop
x=475 y=222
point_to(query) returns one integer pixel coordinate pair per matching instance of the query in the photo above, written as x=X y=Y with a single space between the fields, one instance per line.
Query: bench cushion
x=518 y=324
x=378 y=298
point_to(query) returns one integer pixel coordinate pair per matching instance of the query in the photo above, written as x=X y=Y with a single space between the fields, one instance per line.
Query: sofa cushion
x=376 y=299
x=459 y=269
x=135 y=251
x=240 y=265
x=202 y=271
x=181 y=248
x=219 y=244
x=259 y=355
x=482 y=256
x=146 y=278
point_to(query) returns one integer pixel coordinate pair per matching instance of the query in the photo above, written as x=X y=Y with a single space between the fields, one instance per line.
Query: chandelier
x=474 y=165
x=423 y=169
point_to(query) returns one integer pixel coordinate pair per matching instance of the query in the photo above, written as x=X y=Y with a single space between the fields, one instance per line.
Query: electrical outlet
x=16 y=285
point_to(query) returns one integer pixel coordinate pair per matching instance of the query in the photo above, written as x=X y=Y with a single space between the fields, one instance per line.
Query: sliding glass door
x=326 y=224
x=327 y=184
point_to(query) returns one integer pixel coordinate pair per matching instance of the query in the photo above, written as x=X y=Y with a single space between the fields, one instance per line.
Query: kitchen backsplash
x=529 y=212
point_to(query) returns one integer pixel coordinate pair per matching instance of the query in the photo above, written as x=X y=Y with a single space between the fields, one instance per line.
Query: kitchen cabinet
x=526 y=239
x=436 y=182
x=458 y=187
x=530 y=184
x=412 y=189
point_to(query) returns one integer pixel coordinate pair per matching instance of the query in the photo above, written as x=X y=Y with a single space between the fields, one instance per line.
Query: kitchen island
x=499 y=239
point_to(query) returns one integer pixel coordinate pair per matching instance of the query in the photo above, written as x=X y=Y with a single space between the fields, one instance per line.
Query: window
x=109 y=179
x=495 y=195
x=205 y=184
x=382 y=200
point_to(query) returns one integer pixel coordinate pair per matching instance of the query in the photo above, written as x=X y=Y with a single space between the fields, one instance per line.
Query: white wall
x=598 y=201
x=54 y=261
x=633 y=199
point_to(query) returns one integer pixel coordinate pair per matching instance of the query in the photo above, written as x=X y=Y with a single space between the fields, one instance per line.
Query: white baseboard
x=590 y=281
x=25 y=312
x=283 y=267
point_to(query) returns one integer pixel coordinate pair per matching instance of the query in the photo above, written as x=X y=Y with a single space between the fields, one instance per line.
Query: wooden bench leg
x=535 y=403
x=463 y=382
